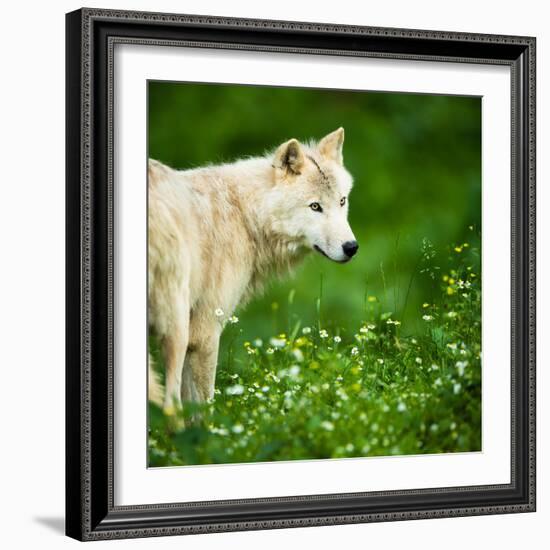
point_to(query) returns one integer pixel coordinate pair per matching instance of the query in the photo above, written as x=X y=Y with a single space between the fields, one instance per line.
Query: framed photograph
x=300 y=274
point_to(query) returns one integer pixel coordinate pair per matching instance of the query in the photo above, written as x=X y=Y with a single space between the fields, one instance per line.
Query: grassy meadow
x=380 y=356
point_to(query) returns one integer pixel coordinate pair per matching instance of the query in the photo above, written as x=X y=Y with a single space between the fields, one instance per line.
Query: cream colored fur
x=218 y=233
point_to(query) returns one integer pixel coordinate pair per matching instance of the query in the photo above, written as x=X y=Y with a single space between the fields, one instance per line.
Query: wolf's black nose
x=350 y=248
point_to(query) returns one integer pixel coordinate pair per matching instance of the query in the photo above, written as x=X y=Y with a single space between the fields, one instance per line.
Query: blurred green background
x=416 y=161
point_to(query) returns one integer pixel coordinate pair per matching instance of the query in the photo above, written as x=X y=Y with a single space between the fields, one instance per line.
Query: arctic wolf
x=217 y=233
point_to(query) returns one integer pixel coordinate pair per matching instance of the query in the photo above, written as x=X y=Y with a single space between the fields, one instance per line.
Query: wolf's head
x=310 y=196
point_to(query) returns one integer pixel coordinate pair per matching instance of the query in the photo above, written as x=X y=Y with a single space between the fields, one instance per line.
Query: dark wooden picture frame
x=90 y=510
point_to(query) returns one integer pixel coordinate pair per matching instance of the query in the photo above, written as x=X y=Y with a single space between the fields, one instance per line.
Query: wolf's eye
x=316 y=207
x=342 y=201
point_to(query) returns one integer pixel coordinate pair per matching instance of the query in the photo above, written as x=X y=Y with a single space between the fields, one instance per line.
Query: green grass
x=326 y=392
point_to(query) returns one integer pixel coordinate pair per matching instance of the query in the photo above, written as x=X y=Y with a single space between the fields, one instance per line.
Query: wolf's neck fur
x=251 y=182
x=275 y=256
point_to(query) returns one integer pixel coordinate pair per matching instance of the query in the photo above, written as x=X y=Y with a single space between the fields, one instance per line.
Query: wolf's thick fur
x=216 y=234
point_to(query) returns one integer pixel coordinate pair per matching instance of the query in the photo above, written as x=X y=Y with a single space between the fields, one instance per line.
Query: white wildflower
x=258 y=342
x=306 y=330
x=278 y=342
x=327 y=425
x=294 y=371
x=401 y=407
x=298 y=355
x=219 y=431
x=418 y=360
x=219 y=312
x=427 y=317
x=233 y=319
x=355 y=350
x=237 y=428
x=337 y=339
x=342 y=394
x=270 y=351
x=323 y=333
x=237 y=389
x=461 y=365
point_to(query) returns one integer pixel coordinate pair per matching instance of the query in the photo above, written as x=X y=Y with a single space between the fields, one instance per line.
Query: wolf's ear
x=331 y=146
x=289 y=157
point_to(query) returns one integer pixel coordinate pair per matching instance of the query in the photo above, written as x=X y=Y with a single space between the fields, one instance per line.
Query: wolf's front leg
x=202 y=361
